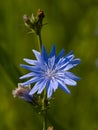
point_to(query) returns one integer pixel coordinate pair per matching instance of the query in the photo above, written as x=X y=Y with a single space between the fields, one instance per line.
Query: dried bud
x=40 y=13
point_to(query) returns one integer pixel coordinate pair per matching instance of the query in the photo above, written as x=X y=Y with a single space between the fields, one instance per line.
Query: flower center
x=50 y=73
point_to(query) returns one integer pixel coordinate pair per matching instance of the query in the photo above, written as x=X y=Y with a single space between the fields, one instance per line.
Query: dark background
x=72 y=25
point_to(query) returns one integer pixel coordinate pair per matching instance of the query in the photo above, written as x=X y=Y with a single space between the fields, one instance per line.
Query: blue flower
x=50 y=71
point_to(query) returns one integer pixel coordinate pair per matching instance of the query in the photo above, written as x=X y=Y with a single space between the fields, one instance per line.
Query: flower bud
x=35 y=23
x=23 y=93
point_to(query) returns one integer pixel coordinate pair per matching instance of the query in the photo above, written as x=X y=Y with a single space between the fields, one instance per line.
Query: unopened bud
x=22 y=93
x=35 y=23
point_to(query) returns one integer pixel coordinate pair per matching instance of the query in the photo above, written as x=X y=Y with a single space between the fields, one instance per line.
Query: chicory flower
x=50 y=71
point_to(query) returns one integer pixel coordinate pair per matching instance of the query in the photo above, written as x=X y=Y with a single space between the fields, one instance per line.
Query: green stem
x=44 y=94
x=45 y=120
x=39 y=41
x=44 y=110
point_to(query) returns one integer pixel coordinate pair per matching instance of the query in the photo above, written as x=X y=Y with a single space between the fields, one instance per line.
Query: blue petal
x=63 y=86
x=60 y=55
x=31 y=62
x=39 y=86
x=51 y=62
x=32 y=80
x=64 y=62
x=28 y=67
x=65 y=59
x=35 y=88
x=69 y=54
x=36 y=69
x=27 y=75
x=42 y=86
x=71 y=75
x=72 y=64
x=75 y=62
x=53 y=84
x=49 y=91
x=37 y=55
x=70 y=82
x=44 y=54
x=53 y=51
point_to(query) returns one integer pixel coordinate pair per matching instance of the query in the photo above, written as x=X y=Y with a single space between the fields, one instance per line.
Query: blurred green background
x=72 y=25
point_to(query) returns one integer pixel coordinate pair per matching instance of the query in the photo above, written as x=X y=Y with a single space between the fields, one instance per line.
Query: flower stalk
x=44 y=108
x=39 y=41
x=44 y=98
x=45 y=120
